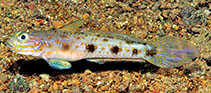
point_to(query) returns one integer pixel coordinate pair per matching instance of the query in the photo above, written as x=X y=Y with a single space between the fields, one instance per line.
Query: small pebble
x=44 y=77
x=3 y=78
x=98 y=83
x=57 y=24
x=31 y=6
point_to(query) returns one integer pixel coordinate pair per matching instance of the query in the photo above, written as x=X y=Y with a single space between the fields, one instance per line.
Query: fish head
x=24 y=43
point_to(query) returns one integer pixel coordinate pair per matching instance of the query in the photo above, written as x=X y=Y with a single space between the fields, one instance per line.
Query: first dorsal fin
x=113 y=35
x=73 y=26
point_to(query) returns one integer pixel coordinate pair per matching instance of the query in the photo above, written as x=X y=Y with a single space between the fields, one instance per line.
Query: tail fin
x=172 y=52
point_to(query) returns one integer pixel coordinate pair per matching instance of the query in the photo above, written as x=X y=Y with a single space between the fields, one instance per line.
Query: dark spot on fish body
x=105 y=40
x=135 y=52
x=129 y=42
x=91 y=48
x=65 y=46
x=98 y=35
x=115 y=50
x=150 y=52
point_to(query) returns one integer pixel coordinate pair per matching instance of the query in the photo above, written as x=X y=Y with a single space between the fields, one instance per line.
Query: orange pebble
x=168 y=26
x=8 y=28
x=57 y=24
x=85 y=16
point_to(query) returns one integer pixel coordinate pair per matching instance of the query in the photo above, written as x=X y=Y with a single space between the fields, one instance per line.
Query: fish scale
x=58 y=47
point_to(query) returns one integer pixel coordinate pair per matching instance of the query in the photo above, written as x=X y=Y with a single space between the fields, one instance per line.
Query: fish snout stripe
x=27 y=46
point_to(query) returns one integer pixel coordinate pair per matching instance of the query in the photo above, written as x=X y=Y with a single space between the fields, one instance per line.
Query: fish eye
x=23 y=36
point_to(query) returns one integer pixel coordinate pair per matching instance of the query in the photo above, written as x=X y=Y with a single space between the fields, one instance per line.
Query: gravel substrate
x=147 y=19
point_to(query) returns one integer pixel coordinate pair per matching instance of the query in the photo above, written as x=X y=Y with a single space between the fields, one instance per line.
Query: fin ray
x=172 y=52
x=73 y=26
x=102 y=61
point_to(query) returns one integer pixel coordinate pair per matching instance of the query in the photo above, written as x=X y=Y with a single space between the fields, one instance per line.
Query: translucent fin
x=102 y=61
x=96 y=61
x=172 y=52
x=73 y=26
x=58 y=64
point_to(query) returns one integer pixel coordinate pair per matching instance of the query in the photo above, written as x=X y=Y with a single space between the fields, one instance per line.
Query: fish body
x=58 y=47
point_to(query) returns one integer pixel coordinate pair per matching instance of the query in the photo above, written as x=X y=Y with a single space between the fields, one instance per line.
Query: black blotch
x=98 y=35
x=105 y=40
x=65 y=46
x=150 y=52
x=91 y=47
x=135 y=51
x=130 y=42
x=115 y=49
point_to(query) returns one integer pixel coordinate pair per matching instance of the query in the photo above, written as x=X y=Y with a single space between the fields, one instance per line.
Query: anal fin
x=103 y=60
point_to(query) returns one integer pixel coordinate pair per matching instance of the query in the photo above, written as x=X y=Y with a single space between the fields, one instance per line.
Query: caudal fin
x=172 y=52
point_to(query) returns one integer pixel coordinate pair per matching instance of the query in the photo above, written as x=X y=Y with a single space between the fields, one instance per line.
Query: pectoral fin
x=58 y=63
